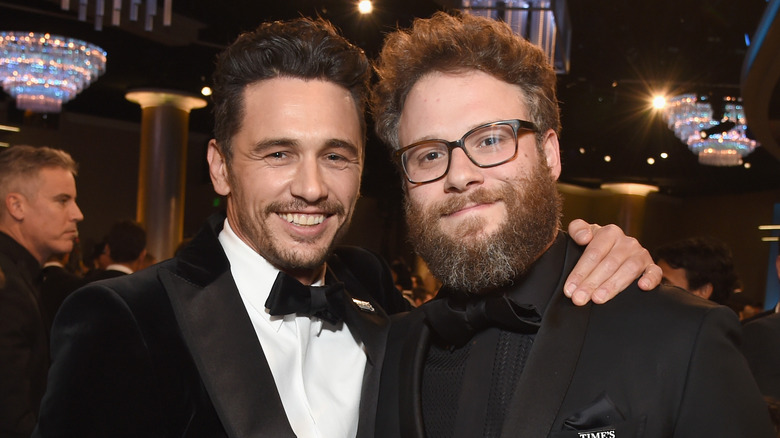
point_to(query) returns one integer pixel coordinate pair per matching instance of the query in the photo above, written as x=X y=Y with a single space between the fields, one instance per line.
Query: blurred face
x=479 y=227
x=50 y=214
x=294 y=177
x=673 y=276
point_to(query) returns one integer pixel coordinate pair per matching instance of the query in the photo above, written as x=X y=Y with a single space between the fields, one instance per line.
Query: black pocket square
x=601 y=419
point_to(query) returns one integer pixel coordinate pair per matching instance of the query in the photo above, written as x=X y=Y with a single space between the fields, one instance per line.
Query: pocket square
x=600 y=413
x=601 y=419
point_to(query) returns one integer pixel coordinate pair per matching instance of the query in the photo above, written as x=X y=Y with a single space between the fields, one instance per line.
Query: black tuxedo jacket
x=57 y=284
x=103 y=274
x=24 y=340
x=171 y=352
x=646 y=364
x=761 y=346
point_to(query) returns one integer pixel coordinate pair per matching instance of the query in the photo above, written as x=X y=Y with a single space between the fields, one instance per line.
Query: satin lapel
x=551 y=365
x=223 y=343
x=412 y=361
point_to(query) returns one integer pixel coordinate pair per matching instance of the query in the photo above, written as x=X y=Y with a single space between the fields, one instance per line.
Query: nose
x=78 y=216
x=462 y=174
x=308 y=182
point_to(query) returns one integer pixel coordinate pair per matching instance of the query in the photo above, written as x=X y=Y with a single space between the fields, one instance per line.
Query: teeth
x=303 y=219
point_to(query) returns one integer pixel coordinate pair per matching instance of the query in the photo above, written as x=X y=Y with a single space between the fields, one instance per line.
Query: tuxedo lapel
x=230 y=360
x=412 y=363
x=551 y=365
x=222 y=340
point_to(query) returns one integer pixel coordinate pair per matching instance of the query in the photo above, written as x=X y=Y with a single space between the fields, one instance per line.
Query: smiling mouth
x=303 y=219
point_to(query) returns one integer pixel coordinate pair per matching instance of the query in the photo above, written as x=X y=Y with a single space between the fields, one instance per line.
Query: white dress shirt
x=318 y=367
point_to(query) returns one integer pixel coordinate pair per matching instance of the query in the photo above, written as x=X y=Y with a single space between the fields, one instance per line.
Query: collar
x=19 y=255
x=253 y=274
x=119 y=267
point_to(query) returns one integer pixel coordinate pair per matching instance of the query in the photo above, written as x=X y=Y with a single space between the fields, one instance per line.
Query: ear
x=218 y=169
x=15 y=204
x=552 y=153
x=704 y=291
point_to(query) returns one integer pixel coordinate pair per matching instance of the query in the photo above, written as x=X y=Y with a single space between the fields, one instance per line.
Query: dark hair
x=301 y=48
x=452 y=44
x=126 y=241
x=705 y=260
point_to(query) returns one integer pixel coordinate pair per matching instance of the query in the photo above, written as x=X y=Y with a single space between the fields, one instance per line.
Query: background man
x=227 y=339
x=37 y=219
x=483 y=212
x=125 y=249
x=703 y=266
x=761 y=347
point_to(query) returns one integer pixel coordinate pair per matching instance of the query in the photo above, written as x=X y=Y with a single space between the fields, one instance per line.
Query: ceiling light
x=43 y=71
x=716 y=142
x=664 y=155
x=9 y=128
x=149 y=12
x=365 y=6
x=651 y=161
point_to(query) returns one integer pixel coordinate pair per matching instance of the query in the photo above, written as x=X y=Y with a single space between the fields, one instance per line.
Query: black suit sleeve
x=101 y=382
x=719 y=396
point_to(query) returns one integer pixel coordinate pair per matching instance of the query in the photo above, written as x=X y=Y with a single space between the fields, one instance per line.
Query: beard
x=469 y=261
x=291 y=260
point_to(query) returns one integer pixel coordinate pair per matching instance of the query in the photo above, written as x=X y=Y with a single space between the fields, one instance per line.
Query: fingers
x=581 y=231
x=609 y=264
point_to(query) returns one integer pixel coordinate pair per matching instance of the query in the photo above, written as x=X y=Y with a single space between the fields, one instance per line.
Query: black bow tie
x=456 y=319
x=288 y=296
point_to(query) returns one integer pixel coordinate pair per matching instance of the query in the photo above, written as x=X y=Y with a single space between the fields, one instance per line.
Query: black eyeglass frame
x=516 y=124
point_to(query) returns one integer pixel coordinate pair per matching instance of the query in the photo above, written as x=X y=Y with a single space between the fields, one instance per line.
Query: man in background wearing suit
x=125 y=249
x=227 y=338
x=762 y=348
x=38 y=218
x=470 y=110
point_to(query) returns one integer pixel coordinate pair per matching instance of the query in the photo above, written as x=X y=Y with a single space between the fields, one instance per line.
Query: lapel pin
x=363 y=305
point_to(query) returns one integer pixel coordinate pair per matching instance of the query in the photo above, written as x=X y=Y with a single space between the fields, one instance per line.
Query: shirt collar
x=253 y=274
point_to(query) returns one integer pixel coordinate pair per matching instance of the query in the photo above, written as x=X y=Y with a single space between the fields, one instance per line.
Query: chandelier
x=43 y=71
x=716 y=142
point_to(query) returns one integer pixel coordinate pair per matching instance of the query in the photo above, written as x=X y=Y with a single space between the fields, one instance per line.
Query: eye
x=335 y=157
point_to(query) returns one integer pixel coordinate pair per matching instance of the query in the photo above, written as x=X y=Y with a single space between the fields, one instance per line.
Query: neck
x=306 y=276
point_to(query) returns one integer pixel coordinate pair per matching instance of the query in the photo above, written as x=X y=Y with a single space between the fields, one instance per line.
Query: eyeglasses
x=488 y=145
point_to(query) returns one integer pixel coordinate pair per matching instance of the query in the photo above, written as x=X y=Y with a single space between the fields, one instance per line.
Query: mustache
x=328 y=207
x=479 y=196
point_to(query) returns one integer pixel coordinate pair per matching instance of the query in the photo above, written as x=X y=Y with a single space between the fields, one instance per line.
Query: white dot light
x=365 y=6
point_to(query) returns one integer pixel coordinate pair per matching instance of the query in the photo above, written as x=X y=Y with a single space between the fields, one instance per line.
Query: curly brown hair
x=457 y=43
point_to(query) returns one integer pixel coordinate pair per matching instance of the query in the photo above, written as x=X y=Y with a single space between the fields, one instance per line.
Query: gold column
x=162 y=165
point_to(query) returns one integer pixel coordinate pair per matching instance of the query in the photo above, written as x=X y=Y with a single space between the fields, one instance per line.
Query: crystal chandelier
x=43 y=71
x=716 y=142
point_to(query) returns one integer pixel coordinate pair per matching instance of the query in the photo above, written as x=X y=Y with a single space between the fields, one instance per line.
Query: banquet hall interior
x=630 y=76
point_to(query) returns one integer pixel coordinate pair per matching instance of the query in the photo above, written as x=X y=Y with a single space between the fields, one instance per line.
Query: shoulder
x=766 y=324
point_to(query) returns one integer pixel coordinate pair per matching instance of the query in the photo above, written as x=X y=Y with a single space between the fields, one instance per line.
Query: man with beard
x=471 y=113
x=227 y=338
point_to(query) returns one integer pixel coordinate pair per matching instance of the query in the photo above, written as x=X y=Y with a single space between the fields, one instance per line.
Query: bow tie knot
x=456 y=320
x=288 y=295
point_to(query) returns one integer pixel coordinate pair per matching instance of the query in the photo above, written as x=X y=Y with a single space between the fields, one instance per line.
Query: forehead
x=49 y=181
x=446 y=105
x=300 y=109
